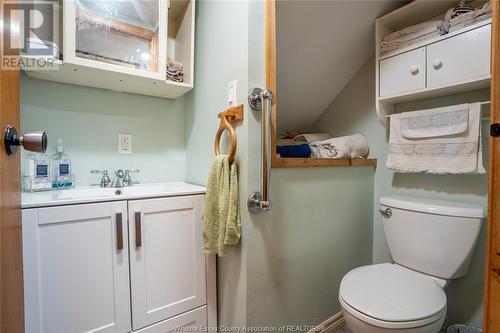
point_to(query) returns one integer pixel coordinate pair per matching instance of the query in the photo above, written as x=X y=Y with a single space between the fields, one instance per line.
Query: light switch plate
x=231 y=93
x=124 y=143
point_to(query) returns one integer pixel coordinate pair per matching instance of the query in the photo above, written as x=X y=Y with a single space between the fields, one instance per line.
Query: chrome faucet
x=118 y=181
x=105 y=180
x=122 y=178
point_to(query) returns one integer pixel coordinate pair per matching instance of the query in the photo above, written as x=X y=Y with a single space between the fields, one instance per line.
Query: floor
x=344 y=329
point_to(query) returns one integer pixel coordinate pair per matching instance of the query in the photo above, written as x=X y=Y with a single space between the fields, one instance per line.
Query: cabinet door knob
x=437 y=64
x=414 y=70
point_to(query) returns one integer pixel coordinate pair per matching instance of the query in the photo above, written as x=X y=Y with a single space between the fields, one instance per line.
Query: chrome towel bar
x=260 y=201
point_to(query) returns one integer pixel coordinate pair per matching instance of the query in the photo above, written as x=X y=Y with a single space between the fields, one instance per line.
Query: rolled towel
x=352 y=146
x=294 y=151
x=311 y=137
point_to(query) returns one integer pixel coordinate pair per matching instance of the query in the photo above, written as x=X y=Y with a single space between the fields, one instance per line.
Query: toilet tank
x=433 y=237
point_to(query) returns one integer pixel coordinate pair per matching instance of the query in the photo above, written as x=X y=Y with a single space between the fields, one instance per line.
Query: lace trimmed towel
x=440 y=141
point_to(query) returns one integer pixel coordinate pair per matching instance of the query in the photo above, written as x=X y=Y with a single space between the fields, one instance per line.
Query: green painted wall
x=288 y=267
x=320 y=227
x=89 y=120
x=221 y=56
x=353 y=111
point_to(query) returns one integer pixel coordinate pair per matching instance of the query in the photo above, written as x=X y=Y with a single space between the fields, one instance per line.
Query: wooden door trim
x=11 y=261
x=492 y=270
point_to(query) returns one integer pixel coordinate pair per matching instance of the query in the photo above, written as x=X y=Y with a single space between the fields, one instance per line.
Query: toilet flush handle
x=386 y=212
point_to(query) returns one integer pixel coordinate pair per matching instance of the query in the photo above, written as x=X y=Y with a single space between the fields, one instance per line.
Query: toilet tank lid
x=437 y=207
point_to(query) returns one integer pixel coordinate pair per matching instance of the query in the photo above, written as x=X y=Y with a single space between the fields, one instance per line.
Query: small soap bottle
x=37 y=175
x=61 y=168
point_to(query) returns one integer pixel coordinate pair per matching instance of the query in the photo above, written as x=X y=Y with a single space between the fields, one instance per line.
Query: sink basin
x=84 y=192
x=87 y=194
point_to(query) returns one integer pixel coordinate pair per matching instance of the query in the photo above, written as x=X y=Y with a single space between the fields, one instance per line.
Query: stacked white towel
x=411 y=35
x=175 y=71
x=440 y=141
x=464 y=20
x=352 y=146
x=311 y=137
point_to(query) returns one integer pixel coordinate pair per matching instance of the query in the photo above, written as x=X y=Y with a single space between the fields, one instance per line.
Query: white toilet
x=431 y=242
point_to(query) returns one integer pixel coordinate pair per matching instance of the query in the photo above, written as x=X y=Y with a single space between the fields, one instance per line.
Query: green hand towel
x=221 y=221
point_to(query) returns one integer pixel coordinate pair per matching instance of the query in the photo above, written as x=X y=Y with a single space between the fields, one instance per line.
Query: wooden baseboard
x=330 y=325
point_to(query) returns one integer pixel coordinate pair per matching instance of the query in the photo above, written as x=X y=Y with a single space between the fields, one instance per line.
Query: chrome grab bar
x=260 y=201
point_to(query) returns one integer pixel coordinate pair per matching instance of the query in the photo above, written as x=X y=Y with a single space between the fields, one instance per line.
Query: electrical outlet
x=231 y=93
x=124 y=144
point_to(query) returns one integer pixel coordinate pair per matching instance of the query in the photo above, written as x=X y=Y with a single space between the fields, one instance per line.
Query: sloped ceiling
x=320 y=46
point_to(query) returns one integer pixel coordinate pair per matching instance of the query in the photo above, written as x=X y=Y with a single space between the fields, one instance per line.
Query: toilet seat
x=391 y=296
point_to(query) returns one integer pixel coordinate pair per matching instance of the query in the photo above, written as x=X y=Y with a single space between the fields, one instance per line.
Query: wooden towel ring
x=231 y=114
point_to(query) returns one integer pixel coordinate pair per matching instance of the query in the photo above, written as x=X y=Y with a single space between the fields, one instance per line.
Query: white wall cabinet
x=456 y=62
x=117 y=267
x=165 y=233
x=124 y=46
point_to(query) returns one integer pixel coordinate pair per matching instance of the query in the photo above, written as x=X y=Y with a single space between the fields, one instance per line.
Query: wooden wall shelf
x=321 y=162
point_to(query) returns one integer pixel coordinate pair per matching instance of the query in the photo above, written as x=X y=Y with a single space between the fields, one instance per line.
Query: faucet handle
x=105 y=180
x=127 y=180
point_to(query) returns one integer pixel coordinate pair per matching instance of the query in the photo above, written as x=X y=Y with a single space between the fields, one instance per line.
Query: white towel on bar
x=436 y=140
x=352 y=146
x=311 y=137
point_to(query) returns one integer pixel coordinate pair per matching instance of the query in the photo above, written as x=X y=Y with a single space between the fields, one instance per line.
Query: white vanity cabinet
x=117 y=266
x=76 y=268
x=167 y=263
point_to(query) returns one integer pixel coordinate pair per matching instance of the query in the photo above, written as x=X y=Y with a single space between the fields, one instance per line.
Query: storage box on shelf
x=449 y=64
x=125 y=52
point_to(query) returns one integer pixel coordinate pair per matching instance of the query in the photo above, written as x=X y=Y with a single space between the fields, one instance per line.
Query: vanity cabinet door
x=76 y=271
x=191 y=321
x=167 y=262
x=464 y=57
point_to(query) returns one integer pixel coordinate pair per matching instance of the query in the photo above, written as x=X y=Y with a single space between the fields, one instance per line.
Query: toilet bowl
x=431 y=243
x=390 y=298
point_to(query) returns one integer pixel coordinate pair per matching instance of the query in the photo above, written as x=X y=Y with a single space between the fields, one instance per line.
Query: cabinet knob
x=414 y=70
x=437 y=64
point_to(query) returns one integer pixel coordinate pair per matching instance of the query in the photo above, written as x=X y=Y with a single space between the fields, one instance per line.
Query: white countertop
x=87 y=194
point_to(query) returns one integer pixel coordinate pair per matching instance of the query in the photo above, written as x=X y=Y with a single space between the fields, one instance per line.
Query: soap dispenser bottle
x=61 y=168
x=37 y=173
